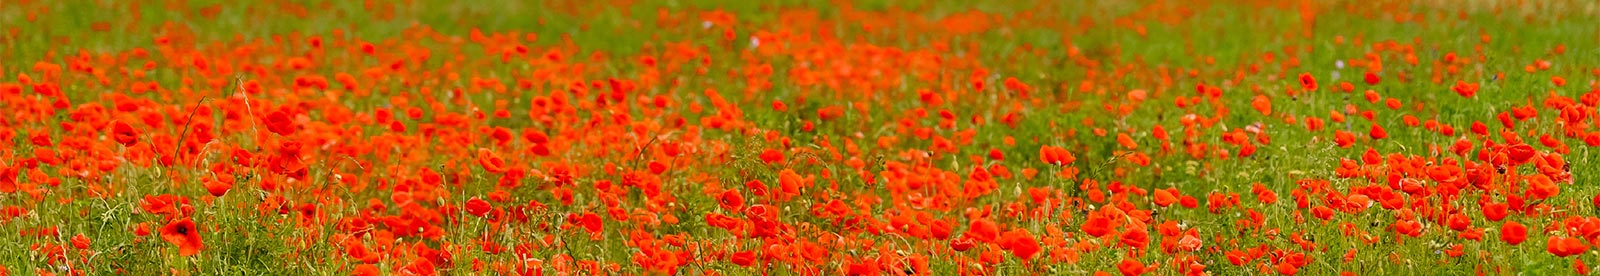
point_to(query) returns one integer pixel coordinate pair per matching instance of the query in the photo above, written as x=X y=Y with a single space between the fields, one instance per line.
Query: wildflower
x=280 y=122
x=124 y=134
x=1166 y=197
x=1308 y=82
x=1465 y=89
x=1565 y=246
x=1020 y=243
x=1130 y=267
x=183 y=234
x=772 y=156
x=80 y=241
x=478 y=207
x=218 y=188
x=1513 y=233
x=1056 y=156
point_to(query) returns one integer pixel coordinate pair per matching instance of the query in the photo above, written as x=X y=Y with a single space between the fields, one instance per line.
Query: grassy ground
x=583 y=137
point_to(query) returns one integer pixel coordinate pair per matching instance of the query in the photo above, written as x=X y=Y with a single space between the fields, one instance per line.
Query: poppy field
x=875 y=137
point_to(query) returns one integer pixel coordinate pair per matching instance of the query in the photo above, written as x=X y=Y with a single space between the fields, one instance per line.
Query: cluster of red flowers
x=788 y=144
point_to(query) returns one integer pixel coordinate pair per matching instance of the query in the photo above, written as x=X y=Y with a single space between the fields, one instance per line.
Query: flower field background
x=878 y=137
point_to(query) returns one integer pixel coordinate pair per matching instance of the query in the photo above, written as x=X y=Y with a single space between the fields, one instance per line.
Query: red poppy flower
x=1166 y=197
x=1263 y=194
x=183 y=234
x=1465 y=89
x=1458 y=222
x=1408 y=227
x=1020 y=243
x=1495 y=211
x=1343 y=138
x=656 y=167
x=478 y=207
x=1189 y=202
x=983 y=230
x=366 y=270
x=1541 y=187
x=962 y=244
x=1056 y=156
x=731 y=200
x=1137 y=238
x=1513 y=233
x=940 y=229
x=80 y=241
x=40 y=138
x=218 y=188
x=591 y=222
x=1189 y=242
x=1262 y=104
x=1097 y=226
x=124 y=134
x=1322 y=212
x=1472 y=234
x=1286 y=268
x=1308 y=82
x=1378 y=132
x=534 y=136
x=1130 y=267
x=418 y=266
x=772 y=156
x=1565 y=246
x=743 y=258
x=280 y=122
x=490 y=161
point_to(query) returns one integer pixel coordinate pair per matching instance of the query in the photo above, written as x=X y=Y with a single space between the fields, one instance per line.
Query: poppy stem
x=185 y=133
x=638 y=153
x=238 y=80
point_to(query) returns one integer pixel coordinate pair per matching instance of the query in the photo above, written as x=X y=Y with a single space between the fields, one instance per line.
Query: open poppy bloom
x=1056 y=156
x=280 y=122
x=1020 y=243
x=183 y=234
x=217 y=188
x=1513 y=233
x=1565 y=246
x=124 y=134
x=478 y=207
